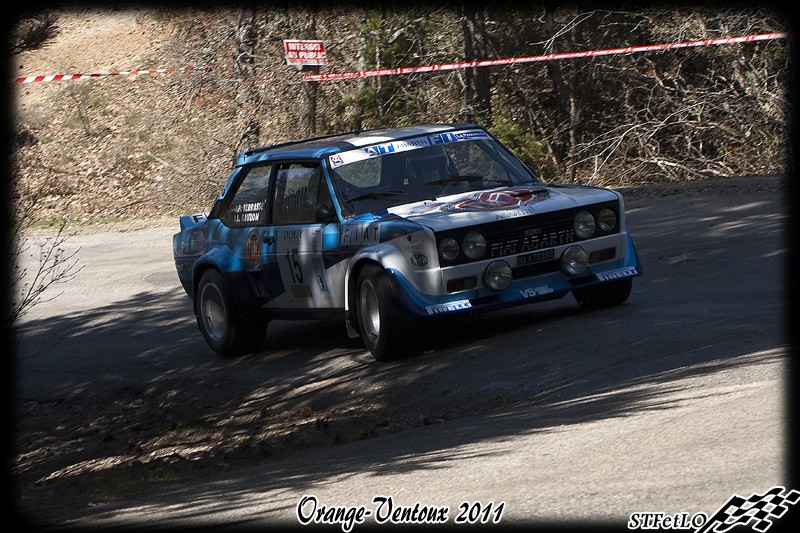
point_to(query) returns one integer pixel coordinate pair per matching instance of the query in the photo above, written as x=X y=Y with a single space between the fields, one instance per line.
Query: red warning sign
x=305 y=52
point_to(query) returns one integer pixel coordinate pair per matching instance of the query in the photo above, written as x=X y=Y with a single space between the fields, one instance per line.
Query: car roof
x=318 y=147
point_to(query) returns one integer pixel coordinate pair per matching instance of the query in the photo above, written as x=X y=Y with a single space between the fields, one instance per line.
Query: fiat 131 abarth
x=387 y=230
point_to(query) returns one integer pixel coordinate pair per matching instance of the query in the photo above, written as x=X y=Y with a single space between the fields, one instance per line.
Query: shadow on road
x=710 y=299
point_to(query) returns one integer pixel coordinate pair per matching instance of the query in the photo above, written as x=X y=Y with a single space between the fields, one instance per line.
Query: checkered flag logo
x=759 y=509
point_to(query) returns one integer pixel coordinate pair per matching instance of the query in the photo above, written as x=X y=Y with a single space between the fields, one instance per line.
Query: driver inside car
x=429 y=163
x=429 y=166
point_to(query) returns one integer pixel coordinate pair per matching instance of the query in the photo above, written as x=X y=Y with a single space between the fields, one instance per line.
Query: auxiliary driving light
x=574 y=260
x=498 y=275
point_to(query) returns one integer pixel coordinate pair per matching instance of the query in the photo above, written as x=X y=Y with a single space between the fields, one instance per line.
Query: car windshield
x=379 y=176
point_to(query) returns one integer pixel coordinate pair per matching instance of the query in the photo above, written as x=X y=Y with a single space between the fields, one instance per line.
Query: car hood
x=479 y=207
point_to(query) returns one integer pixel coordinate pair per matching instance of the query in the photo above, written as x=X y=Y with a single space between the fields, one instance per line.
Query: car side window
x=247 y=207
x=299 y=188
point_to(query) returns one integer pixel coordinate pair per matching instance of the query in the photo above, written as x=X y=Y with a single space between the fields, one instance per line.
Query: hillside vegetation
x=160 y=145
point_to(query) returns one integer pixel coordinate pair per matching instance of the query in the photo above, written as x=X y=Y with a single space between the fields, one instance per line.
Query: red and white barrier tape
x=444 y=66
x=545 y=57
x=58 y=77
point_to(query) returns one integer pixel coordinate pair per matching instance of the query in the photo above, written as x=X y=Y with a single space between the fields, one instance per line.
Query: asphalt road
x=672 y=402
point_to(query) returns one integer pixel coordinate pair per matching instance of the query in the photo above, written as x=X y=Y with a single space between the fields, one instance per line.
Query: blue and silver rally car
x=387 y=229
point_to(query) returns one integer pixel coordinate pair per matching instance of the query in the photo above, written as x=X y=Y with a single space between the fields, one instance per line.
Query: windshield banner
x=403 y=145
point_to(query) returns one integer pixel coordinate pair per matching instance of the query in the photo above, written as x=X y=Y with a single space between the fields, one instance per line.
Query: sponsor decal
x=195 y=244
x=496 y=200
x=451 y=137
x=533 y=292
x=396 y=146
x=533 y=239
x=253 y=248
x=289 y=239
x=618 y=274
x=511 y=214
x=292 y=235
x=360 y=234
x=322 y=284
x=448 y=307
x=424 y=208
x=419 y=259
x=382 y=147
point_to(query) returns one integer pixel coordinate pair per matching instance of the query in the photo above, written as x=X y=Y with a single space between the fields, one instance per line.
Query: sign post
x=308 y=55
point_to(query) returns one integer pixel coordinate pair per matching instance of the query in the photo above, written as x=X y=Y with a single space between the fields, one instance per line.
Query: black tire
x=218 y=319
x=386 y=328
x=605 y=295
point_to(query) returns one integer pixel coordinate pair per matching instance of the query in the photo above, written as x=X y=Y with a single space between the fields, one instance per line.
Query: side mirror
x=323 y=214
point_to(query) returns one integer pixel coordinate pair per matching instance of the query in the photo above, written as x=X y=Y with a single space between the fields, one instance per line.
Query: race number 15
x=292 y=257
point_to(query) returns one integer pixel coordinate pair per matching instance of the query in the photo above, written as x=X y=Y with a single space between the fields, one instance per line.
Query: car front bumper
x=537 y=276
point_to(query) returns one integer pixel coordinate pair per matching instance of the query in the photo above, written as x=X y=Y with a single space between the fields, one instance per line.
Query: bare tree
x=308 y=106
x=54 y=265
x=478 y=84
x=247 y=96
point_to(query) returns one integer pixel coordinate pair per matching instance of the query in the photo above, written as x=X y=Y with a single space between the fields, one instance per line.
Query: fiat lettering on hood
x=388 y=229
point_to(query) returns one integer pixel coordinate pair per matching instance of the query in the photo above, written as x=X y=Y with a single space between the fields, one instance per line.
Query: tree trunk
x=564 y=103
x=478 y=85
x=308 y=106
x=247 y=97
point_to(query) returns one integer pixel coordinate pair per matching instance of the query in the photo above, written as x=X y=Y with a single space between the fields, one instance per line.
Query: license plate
x=536 y=257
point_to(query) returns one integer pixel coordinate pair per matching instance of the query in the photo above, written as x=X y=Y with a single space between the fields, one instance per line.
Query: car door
x=294 y=255
x=244 y=217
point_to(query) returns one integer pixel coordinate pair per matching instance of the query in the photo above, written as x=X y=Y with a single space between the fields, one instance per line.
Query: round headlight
x=584 y=224
x=474 y=245
x=574 y=260
x=607 y=219
x=448 y=249
x=498 y=275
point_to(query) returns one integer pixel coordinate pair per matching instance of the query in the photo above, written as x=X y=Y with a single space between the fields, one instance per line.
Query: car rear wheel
x=607 y=294
x=387 y=331
x=223 y=328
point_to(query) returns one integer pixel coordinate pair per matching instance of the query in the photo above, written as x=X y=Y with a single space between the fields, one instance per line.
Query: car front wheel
x=607 y=294
x=223 y=328
x=387 y=330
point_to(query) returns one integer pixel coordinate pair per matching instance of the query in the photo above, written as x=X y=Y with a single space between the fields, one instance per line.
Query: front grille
x=529 y=235
x=518 y=235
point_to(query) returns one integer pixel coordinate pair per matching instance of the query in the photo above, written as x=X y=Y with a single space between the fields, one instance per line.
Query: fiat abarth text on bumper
x=387 y=229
